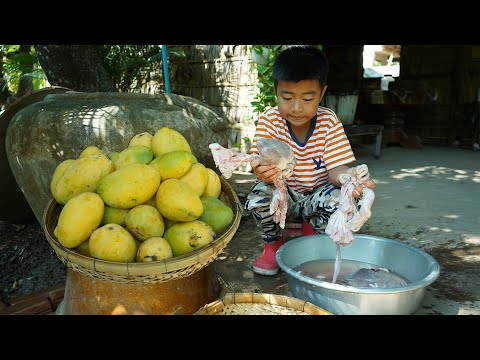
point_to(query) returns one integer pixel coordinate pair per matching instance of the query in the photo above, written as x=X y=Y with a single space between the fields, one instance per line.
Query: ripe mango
x=151 y=202
x=166 y=140
x=214 y=186
x=154 y=249
x=113 y=156
x=173 y=165
x=58 y=173
x=188 y=236
x=84 y=248
x=113 y=243
x=90 y=150
x=80 y=216
x=197 y=178
x=138 y=154
x=129 y=186
x=176 y=200
x=82 y=175
x=143 y=138
x=114 y=216
x=144 y=222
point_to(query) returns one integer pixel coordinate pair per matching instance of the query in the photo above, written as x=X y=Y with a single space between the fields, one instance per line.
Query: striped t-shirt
x=326 y=146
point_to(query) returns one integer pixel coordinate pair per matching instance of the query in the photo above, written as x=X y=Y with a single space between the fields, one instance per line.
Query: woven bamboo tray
x=260 y=304
x=147 y=272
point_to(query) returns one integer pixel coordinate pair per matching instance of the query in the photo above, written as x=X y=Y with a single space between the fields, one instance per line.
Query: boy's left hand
x=363 y=175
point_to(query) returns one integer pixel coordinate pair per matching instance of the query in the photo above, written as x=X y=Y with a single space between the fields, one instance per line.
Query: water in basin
x=352 y=273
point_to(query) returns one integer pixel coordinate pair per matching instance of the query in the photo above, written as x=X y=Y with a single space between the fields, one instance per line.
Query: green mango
x=216 y=214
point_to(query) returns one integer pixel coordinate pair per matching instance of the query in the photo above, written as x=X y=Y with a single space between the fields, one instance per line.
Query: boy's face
x=298 y=101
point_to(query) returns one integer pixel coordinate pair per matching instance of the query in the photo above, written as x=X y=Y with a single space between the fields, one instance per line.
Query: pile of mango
x=150 y=201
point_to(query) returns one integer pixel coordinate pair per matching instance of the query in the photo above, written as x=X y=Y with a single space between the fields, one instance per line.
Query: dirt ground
x=27 y=262
x=424 y=197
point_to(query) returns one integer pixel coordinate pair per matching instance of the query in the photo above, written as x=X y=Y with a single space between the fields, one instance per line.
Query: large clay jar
x=59 y=127
x=16 y=209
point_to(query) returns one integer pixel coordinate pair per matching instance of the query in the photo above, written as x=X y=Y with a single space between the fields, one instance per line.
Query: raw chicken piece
x=227 y=160
x=375 y=278
x=270 y=151
x=273 y=151
x=276 y=152
x=348 y=219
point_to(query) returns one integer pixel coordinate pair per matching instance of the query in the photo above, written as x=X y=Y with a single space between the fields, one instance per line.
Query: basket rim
x=283 y=301
x=157 y=268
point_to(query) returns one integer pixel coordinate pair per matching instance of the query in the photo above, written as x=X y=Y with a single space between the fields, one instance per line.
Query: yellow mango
x=90 y=150
x=81 y=176
x=113 y=215
x=112 y=242
x=151 y=201
x=80 y=216
x=113 y=156
x=133 y=154
x=166 y=140
x=176 y=200
x=154 y=249
x=197 y=178
x=84 y=248
x=214 y=186
x=173 y=165
x=188 y=236
x=144 y=222
x=144 y=139
x=58 y=173
x=129 y=186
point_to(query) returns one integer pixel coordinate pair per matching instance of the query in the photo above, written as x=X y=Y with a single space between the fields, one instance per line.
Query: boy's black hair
x=301 y=62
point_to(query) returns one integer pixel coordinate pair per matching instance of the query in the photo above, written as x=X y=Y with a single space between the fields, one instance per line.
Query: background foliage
x=20 y=65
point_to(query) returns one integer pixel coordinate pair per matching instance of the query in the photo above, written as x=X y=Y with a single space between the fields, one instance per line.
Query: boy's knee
x=334 y=198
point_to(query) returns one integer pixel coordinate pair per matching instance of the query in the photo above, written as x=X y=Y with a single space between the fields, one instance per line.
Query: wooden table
x=357 y=130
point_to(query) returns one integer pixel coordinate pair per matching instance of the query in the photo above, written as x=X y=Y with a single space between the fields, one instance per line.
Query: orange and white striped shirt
x=326 y=146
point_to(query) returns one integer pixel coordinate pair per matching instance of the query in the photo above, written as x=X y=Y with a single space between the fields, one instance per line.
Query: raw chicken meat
x=375 y=278
x=348 y=218
x=270 y=151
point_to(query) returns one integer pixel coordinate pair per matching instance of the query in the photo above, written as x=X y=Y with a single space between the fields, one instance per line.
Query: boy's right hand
x=266 y=173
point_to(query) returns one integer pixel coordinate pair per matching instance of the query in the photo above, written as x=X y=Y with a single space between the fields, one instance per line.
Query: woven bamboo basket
x=260 y=304
x=147 y=272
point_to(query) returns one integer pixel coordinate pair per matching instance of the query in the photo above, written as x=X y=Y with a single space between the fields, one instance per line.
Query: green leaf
x=258 y=49
x=262 y=69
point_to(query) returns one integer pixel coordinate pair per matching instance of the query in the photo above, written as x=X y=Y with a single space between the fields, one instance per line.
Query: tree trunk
x=26 y=84
x=77 y=67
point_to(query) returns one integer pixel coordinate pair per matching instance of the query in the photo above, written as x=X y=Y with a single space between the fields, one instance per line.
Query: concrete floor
x=427 y=198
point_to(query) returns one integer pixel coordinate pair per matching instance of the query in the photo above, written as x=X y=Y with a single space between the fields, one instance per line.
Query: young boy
x=319 y=143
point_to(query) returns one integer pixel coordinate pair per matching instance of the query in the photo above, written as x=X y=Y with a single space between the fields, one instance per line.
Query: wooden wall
x=449 y=73
x=220 y=76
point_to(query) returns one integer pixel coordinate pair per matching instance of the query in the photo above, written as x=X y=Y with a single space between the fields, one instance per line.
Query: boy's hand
x=266 y=173
x=363 y=175
x=362 y=172
x=344 y=178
